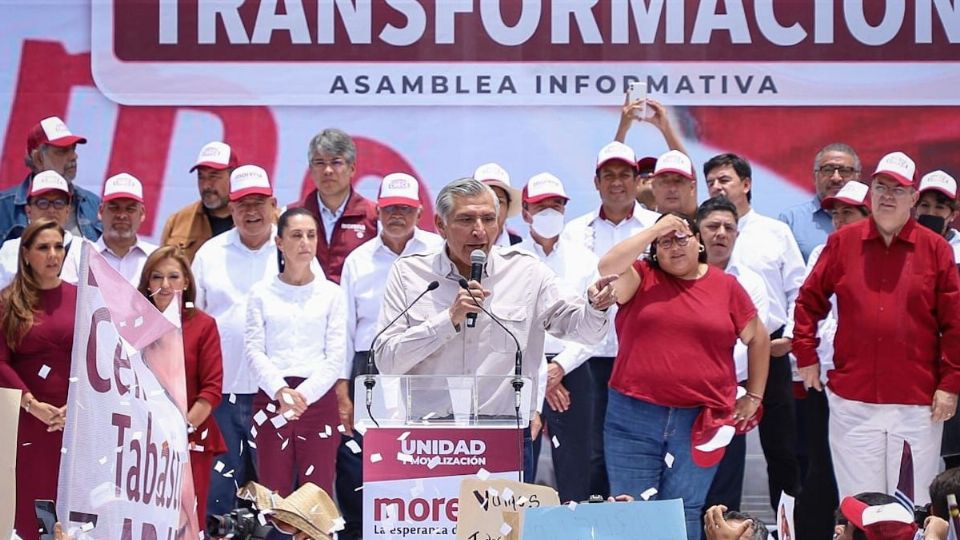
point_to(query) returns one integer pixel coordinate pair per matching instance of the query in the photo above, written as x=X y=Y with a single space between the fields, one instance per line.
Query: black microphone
x=477 y=259
x=369 y=382
x=518 y=358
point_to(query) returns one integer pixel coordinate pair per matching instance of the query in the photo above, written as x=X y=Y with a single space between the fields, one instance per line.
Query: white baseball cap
x=52 y=131
x=852 y=193
x=494 y=175
x=216 y=155
x=399 y=188
x=47 y=181
x=249 y=180
x=543 y=186
x=674 y=161
x=939 y=181
x=898 y=166
x=122 y=186
x=616 y=151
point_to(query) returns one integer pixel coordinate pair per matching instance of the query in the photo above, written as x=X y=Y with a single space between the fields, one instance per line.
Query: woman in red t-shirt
x=165 y=273
x=672 y=404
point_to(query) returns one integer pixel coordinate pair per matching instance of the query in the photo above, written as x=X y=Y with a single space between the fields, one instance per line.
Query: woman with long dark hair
x=166 y=272
x=296 y=341
x=37 y=311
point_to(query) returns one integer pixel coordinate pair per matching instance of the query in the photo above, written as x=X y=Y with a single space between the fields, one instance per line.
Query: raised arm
x=619 y=260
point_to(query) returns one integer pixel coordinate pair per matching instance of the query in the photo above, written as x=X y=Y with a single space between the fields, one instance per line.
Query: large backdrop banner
x=436 y=88
x=125 y=472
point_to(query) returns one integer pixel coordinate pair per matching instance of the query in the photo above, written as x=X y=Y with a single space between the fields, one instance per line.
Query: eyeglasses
x=44 y=204
x=335 y=164
x=827 y=171
x=667 y=243
x=881 y=189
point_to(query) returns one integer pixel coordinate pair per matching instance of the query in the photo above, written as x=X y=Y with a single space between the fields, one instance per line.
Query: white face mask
x=548 y=223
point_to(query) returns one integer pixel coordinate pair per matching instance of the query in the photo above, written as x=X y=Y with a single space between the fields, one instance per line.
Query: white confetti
x=429 y=415
x=73 y=379
x=483 y=474
x=253 y=431
x=228 y=474
x=354 y=447
x=260 y=418
x=218 y=466
x=137 y=435
x=360 y=427
x=434 y=461
x=87 y=527
x=327 y=430
x=403 y=436
x=301 y=437
x=44 y=371
x=197 y=448
x=283 y=445
x=63 y=450
x=271 y=408
x=309 y=471
x=668 y=459
x=338 y=524
x=287 y=398
x=252 y=444
x=556 y=441
x=341 y=429
x=278 y=421
x=572 y=505
x=122 y=324
x=522 y=501
x=648 y=493
x=404 y=458
x=188 y=305
x=492 y=492
x=505 y=529
x=507 y=494
x=203 y=434
x=103 y=460
x=232 y=398
x=375 y=457
x=138 y=322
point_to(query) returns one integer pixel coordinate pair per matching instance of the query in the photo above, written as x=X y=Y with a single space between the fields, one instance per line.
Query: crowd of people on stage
x=658 y=331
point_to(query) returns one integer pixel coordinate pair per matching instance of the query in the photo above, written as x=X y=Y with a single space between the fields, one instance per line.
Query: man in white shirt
x=48 y=198
x=363 y=279
x=717 y=226
x=766 y=246
x=225 y=268
x=568 y=408
x=618 y=217
x=508 y=196
x=436 y=338
x=122 y=213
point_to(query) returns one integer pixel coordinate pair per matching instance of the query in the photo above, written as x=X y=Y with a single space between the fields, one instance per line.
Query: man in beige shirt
x=433 y=338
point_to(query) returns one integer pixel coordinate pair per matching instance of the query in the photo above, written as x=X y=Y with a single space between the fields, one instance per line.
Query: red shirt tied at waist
x=356 y=225
x=898 y=331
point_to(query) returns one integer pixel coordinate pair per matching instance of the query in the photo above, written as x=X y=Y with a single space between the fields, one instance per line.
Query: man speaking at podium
x=447 y=333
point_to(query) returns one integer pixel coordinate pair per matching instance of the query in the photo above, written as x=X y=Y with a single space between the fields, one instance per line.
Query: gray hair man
x=435 y=339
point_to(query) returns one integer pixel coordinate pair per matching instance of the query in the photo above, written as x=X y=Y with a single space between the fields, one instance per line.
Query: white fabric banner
x=125 y=472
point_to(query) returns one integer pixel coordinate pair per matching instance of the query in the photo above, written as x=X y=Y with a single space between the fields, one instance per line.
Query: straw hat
x=310 y=510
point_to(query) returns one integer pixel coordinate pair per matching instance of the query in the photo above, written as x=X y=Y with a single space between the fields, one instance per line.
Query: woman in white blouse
x=295 y=340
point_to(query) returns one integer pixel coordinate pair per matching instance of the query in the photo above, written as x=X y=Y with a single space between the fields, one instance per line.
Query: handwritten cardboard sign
x=492 y=509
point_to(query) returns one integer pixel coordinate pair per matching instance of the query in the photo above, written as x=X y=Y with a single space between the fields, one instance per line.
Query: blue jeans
x=234 y=421
x=637 y=437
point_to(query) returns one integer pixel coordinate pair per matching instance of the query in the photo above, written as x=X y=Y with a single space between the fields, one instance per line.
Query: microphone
x=518 y=357
x=477 y=259
x=369 y=381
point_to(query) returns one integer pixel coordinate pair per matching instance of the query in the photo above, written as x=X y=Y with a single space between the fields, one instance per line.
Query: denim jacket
x=13 y=213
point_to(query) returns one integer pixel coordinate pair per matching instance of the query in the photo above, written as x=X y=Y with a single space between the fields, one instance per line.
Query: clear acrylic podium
x=442 y=400
x=426 y=435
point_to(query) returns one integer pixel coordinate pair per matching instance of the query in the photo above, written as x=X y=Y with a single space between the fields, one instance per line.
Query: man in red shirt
x=897 y=346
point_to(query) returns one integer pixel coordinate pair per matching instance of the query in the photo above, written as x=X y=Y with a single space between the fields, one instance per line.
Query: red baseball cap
x=852 y=193
x=898 y=166
x=216 y=155
x=401 y=189
x=890 y=521
x=51 y=131
x=249 y=180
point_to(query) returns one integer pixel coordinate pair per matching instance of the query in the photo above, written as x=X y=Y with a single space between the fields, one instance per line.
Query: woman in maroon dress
x=165 y=273
x=36 y=317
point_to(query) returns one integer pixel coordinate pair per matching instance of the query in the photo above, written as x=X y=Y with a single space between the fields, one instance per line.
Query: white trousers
x=866 y=443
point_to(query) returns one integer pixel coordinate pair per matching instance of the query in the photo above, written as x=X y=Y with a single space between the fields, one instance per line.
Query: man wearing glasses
x=897 y=346
x=346 y=218
x=48 y=198
x=835 y=165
